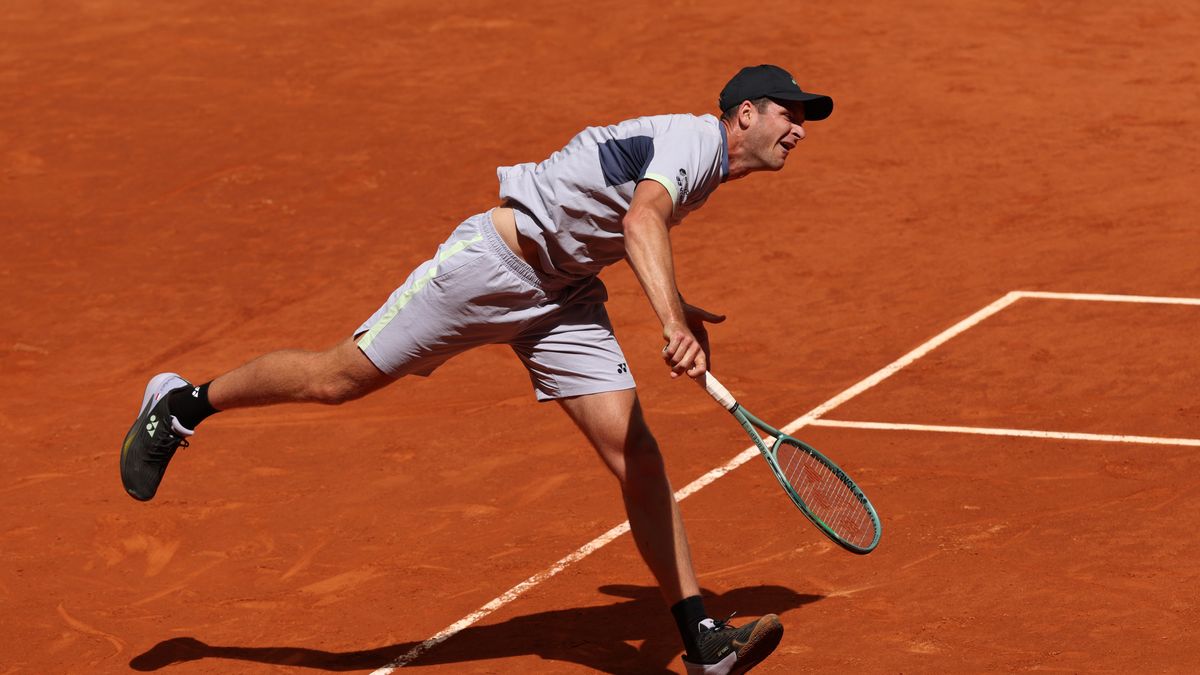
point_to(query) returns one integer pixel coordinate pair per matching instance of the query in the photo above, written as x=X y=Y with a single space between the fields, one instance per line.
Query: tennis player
x=525 y=274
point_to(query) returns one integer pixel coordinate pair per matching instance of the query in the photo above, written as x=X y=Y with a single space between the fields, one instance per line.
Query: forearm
x=648 y=249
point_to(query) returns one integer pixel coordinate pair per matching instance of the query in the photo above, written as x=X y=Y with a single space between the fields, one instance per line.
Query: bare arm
x=648 y=249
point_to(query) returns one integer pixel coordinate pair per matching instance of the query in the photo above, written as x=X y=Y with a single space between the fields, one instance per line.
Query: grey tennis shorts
x=476 y=291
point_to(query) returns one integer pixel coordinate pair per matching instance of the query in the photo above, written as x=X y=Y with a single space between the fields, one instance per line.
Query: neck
x=738 y=165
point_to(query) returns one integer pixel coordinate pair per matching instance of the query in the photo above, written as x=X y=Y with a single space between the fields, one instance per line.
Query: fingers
x=705 y=351
x=685 y=354
x=692 y=358
x=696 y=319
x=687 y=348
x=675 y=346
x=699 y=366
x=698 y=315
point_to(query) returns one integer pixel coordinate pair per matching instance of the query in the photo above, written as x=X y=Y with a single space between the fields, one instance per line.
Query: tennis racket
x=821 y=490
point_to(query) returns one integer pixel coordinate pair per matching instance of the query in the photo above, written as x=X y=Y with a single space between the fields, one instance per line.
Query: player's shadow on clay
x=596 y=637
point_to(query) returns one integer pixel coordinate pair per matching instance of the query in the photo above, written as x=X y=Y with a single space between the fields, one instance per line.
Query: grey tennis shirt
x=572 y=204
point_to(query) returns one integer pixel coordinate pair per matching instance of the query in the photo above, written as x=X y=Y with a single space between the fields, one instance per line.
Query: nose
x=798 y=131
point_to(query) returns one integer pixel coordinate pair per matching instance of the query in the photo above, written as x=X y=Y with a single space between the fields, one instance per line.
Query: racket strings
x=828 y=497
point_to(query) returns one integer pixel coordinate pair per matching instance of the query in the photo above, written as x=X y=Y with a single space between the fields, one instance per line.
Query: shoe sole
x=762 y=642
x=155 y=385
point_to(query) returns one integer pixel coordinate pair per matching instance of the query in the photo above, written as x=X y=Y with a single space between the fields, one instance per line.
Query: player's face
x=775 y=133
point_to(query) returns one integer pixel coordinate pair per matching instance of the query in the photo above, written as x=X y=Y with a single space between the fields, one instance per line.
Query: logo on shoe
x=152 y=426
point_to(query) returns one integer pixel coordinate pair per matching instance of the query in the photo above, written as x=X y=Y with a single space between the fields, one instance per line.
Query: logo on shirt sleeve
x=681 y=181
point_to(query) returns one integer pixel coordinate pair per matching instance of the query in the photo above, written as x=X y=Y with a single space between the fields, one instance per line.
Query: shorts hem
x=374 y=357
x=595 y=388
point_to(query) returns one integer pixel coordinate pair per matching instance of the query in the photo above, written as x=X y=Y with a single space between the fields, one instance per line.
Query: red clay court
x=974 y=286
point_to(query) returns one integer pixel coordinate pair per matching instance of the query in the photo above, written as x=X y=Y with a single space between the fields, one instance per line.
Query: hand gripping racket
x=821 y=490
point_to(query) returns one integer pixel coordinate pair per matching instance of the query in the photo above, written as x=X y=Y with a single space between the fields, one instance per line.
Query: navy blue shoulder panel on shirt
x=625 y=159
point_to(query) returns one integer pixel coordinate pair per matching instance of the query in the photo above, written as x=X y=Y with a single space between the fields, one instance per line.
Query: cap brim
x=815 y=106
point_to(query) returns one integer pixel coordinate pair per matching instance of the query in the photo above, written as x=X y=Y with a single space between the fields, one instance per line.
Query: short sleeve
x=678 y=164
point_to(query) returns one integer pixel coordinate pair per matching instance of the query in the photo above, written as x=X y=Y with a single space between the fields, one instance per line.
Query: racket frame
x=753 y=425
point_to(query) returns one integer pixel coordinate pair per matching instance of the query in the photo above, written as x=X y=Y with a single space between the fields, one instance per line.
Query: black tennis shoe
x=153 y=439
x=725 y=650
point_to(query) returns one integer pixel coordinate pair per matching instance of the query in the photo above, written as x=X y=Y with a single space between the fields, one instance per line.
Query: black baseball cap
x=775 y=83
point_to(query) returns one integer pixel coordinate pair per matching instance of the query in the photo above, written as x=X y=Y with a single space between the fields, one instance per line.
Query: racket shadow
x=596 y=637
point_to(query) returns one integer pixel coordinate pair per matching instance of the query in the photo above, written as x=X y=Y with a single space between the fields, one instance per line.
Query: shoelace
x=720 y=624
x=165 y=445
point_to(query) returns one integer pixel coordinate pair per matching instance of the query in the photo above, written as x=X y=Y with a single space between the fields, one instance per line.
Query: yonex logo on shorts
x=622 y=369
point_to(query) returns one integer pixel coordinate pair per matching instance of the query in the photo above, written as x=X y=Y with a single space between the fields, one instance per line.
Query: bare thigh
x=613 y=423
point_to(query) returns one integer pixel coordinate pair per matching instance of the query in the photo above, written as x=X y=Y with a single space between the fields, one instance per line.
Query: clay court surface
x=185 y=185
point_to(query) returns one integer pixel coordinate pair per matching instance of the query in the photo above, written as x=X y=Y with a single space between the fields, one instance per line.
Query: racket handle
x=719 y=392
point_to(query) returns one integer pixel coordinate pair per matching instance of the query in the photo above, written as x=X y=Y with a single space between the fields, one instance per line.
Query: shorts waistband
x=511 y=260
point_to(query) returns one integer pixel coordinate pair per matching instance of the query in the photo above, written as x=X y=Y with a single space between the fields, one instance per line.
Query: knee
x=640 y=444
x=332 y=391
x=641 y=457
x=331 y=385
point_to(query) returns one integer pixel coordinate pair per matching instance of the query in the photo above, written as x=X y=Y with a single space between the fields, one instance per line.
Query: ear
x=746 y=113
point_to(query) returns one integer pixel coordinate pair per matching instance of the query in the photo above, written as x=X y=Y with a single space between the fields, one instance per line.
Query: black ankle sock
x=688 y=614
x=190 y=405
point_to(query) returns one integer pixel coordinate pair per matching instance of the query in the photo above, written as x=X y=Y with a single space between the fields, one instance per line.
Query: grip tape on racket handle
x=719 y=392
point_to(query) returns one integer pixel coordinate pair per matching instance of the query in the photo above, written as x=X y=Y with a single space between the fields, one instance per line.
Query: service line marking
x=1021 y=433
x=1105 y=297
x=749 y=453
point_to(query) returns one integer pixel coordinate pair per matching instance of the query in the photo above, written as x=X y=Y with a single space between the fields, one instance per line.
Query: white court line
x=698 y=484
x=890 y=369
x=1026 y=433
x=747 y=454
x=508 y=596
x=1103 y=297
x=583 y=551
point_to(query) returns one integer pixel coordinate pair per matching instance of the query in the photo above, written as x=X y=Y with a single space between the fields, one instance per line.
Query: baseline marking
x=749 y=453
x=1022 y=433
x=507 y=597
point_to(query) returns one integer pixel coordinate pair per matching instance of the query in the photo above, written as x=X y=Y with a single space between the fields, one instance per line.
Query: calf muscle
x=334 y=376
